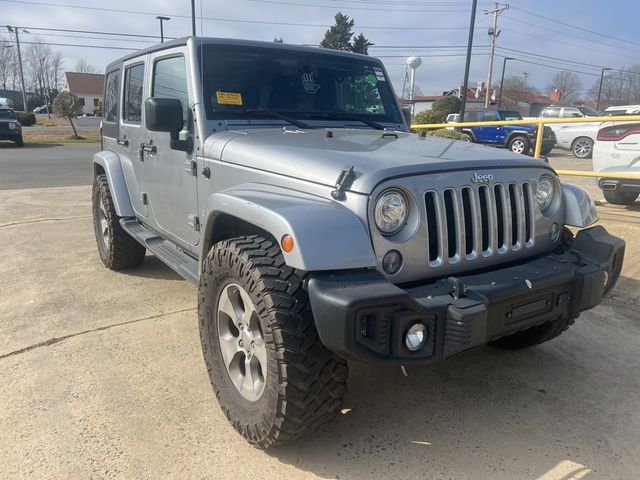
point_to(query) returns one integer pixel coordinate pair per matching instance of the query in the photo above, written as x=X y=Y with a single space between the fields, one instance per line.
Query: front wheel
x=519 y=144
x=19 y=142
x=271 y=374
x=544 y=151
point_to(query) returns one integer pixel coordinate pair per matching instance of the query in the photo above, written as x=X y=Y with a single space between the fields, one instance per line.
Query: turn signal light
x=287 y=243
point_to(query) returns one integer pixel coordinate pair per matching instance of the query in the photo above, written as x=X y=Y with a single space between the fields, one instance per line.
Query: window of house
x=170 y=81
x=133 y=81
x=111 y=96
x=96 y=102
x=81 y=101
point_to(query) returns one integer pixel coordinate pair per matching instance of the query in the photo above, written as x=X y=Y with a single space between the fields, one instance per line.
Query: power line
x=81 y=45
x=279 y=2
x=91 y=32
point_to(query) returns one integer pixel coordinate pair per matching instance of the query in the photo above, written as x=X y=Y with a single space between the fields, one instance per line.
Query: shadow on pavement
x=152 y=268
x=27 y=145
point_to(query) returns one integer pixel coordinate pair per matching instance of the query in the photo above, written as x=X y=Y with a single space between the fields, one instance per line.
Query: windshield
x=7 y=114
x=508 y=115
x=239 y=80
x=589 y=111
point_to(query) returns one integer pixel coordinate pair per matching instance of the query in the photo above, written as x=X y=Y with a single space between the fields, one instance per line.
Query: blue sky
x=607 y=33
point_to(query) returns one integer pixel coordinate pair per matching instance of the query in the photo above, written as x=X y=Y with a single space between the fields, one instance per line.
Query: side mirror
x=165 y=115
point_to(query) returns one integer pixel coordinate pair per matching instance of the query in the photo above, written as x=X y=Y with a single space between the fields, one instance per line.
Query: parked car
x=617 y=149
x=10 y=128
x=41 y=109
x=517 y=138
x=319 y=231
x=576 y=137
x=622 y=110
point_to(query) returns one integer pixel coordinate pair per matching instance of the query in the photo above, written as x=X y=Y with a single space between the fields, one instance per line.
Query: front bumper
x=362 y=316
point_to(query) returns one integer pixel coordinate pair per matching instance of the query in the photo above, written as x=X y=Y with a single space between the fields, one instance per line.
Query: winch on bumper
x=362 y=316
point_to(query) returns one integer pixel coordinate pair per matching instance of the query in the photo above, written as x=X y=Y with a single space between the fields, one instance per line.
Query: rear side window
x=472 y=116
x=551 y=113
x=112 y=83
x=490 y=116
x=170 y=81
x=133 y=81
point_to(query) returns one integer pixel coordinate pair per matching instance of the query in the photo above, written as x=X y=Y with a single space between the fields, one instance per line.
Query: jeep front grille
x=478 y=221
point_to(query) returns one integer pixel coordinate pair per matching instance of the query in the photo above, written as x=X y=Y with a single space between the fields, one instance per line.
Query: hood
x=318 y=156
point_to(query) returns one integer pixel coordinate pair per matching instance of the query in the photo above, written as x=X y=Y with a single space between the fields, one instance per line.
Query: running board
x=183 y=264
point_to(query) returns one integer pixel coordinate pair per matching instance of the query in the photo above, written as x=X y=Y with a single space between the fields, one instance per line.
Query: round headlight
x=391 y=212
x=545 y=192
x=12 y=125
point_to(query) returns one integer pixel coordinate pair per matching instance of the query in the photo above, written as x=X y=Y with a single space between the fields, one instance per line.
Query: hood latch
x=344 y=181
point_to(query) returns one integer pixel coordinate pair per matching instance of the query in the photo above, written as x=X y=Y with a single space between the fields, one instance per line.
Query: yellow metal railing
x=541 y=122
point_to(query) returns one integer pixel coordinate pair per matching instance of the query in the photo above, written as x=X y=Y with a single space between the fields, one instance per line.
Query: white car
x=576 y=137
x=617 y=149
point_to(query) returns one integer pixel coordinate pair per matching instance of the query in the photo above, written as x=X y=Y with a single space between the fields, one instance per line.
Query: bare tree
x=37 y=60
x=83 y=66
x=568 y=84
x=8 y=62
x=619 y=87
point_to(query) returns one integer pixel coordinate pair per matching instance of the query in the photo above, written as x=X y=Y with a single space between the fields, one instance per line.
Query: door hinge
x=194 y=221
x=191 y=167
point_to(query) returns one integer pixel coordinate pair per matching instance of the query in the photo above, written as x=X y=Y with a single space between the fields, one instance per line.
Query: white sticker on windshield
x=309 y=83
x=379 y=74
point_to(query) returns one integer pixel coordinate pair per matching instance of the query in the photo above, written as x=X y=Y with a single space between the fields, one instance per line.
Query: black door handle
x=206 y=172
x=122 y=141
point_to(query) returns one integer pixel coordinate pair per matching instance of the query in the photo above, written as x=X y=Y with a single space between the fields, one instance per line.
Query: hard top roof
x=232 y=41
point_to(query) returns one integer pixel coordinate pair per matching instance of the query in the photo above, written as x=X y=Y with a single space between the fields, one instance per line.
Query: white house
x=88 y=87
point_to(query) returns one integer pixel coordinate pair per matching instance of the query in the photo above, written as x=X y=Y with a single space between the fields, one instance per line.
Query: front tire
x=285 y=383
x=534 y=335
x=519 y=144
x=19 y=142
x=620 y=198
x=117 y=249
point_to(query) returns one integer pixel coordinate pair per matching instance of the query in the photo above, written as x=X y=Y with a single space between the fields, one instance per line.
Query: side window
x=133 y=81
x=472 y=116
x=551 y=112
x=170 y=81
x=490 y=117
x=81 y=101
x=111 y=96
x=571 y=112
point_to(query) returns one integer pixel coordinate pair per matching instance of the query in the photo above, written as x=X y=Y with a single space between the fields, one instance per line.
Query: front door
x=170 y=178
x=490 y=134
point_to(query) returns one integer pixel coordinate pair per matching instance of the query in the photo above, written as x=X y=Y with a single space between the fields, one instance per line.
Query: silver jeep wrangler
x=284 y=182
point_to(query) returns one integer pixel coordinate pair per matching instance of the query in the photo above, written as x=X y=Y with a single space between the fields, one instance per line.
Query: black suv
x=10 y=128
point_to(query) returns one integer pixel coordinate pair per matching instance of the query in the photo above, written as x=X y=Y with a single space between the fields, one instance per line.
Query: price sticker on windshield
x=379 y=74
x=229 y=98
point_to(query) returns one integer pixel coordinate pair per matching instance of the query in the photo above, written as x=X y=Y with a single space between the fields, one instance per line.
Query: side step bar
x=183 y=264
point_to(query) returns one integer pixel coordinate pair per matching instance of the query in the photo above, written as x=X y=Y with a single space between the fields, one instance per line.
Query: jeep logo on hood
x=482 y=178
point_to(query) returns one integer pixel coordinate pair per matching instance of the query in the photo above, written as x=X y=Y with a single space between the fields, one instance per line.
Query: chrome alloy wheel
x=582 y=147
x=241 y=342
x=104 y=224
x=518 y=145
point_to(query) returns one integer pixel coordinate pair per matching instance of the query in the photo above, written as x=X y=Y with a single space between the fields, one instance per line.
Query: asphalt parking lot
x=102 y=375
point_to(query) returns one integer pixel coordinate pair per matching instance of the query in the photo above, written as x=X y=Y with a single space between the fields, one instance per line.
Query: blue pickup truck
x=517 y=138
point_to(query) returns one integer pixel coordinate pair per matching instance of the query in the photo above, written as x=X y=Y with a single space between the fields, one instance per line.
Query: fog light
x=415 y=337
x=391 y=262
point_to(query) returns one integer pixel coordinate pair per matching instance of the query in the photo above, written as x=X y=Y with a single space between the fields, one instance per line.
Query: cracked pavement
x=102 y=377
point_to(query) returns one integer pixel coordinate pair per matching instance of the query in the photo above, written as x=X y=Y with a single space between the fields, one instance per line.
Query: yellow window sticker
x=229 y=98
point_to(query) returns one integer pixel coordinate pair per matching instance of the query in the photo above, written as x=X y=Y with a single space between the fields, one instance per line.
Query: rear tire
x=519 y=144
x=620 y=198
x=118 y=250
x=295 y=383
x=582 y=147
x=534 y=335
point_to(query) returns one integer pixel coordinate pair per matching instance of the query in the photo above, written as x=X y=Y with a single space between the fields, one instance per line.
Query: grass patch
x=52 y=122
x=87 y=137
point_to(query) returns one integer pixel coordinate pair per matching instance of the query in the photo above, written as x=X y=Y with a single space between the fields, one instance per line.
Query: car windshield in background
x=7 y=114
x=508 y=115
x=244 y=81
x=589 y=111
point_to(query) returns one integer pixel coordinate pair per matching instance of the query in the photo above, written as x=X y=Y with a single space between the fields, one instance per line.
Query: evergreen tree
x=338 y=37
x=361 y=44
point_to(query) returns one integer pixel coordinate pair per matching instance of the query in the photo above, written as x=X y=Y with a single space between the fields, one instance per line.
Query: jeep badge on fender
x=283 y=181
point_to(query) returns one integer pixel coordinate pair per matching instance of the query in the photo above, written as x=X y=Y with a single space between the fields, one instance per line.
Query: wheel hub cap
x=242 y=342
x=104 y=224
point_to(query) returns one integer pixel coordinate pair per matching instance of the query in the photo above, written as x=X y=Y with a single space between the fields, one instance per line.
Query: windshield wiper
x=346 y=116
x=271 y=113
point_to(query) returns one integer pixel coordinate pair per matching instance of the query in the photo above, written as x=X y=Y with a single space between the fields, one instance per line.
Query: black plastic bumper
x=361 y=316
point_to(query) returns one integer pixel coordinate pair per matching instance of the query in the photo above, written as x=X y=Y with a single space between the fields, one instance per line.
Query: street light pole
x=504 y=66
x=161 y=18
x=600 y=87
x=465 y=86
x=24 y=95
x=193 y=17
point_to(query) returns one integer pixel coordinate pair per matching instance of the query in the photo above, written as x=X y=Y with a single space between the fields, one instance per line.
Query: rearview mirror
x=165 y=115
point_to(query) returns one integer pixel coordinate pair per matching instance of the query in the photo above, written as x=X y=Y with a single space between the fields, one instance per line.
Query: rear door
x=132 y=133
x=171 y=173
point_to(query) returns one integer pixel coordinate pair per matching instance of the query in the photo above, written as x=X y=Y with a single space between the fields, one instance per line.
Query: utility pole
x=600 y=87
x=493 y=33
x=24 y=94
x=161 y=18
x=465 y=86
